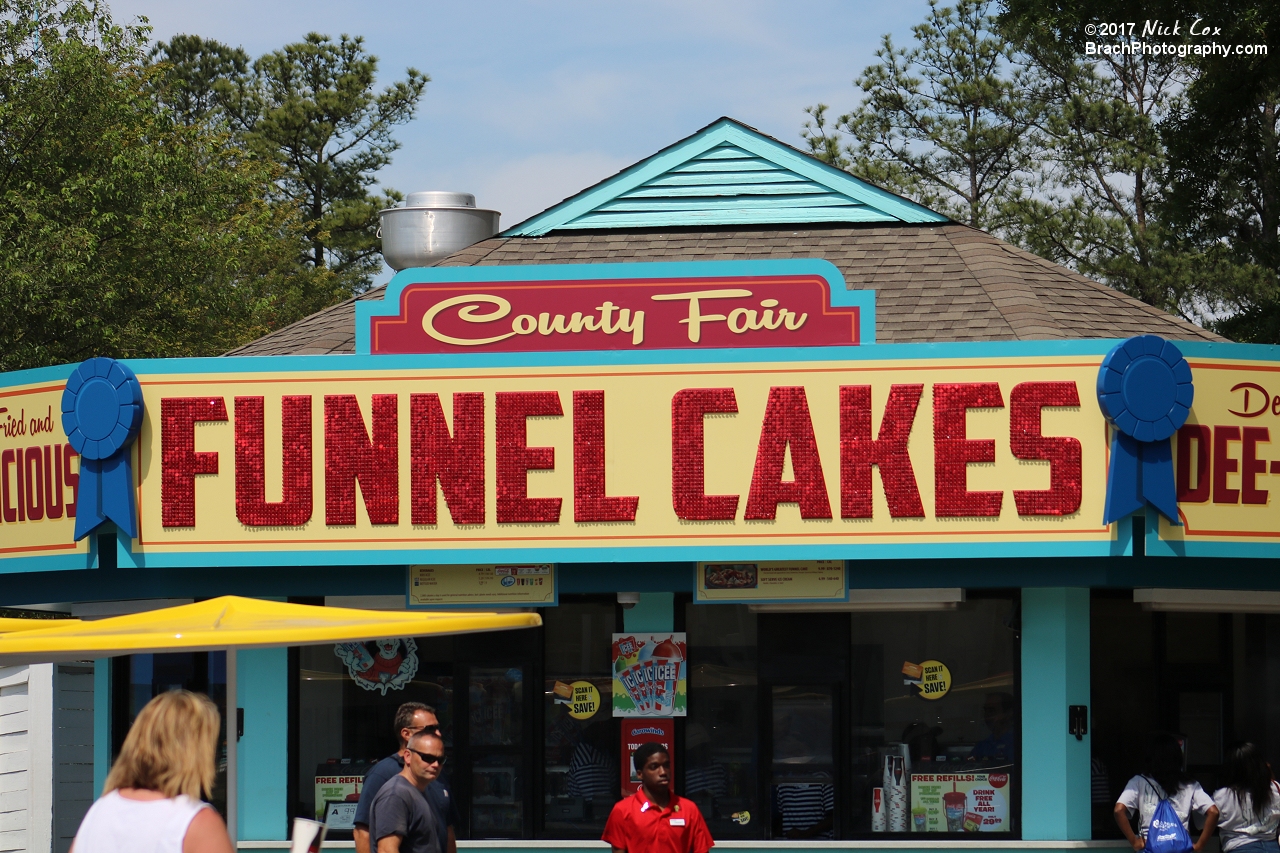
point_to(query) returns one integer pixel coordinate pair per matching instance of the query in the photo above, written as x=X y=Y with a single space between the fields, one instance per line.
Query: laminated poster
x=650 y=674
x=771 y=581
x=338 y=794
x=960 y=802
x=636 y=733
x=523 y=584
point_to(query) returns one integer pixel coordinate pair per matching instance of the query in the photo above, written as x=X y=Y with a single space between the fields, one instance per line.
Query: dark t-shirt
x=438 y=796
x=400 y=809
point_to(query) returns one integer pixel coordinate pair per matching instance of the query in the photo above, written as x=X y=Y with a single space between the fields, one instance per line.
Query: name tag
x=677 y=821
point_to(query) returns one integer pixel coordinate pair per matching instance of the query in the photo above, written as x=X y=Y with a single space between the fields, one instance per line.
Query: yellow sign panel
x=1227 y=457
x=774 y=581
x=532 y=584
x=39 y=475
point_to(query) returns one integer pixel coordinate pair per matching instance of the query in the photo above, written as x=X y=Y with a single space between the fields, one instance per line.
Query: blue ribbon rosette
x=101 y=415
x=1145 y=391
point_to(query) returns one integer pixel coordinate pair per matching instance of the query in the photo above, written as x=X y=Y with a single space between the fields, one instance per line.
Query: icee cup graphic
x=668 y=663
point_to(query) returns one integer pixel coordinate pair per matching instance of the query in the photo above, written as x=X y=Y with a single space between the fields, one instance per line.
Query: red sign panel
x=641 y=730
x=615 y=314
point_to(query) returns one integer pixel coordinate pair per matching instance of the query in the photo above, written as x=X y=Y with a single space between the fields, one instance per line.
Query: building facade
x=898 y=535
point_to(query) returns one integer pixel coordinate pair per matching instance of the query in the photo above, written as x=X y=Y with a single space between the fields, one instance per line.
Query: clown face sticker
x=382 y=665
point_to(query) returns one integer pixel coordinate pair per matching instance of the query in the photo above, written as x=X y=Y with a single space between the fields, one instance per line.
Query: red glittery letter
x=1203 y=438
x=952 y=452
x=33 y=479
x=1025 y=402
x=787 y=422
x=688 y=462
x=252 y=506
x=350 y=457
x=858 y=452
x=7 y=459
x=179 y=462
x=73 y=480
x=53 y=481
x=515 y=459
x=457 y=461
x=590 y=502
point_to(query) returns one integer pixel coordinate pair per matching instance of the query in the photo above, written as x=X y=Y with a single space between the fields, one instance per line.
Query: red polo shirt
x=638 y=826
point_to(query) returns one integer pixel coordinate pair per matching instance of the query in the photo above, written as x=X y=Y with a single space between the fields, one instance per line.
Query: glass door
x=802 y=769
x=496 y=738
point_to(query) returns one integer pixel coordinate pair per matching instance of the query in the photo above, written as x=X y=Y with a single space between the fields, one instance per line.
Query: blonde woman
x=151 y=802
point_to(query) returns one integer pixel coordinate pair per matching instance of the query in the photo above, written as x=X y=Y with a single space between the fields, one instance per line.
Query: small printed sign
x=488 y=585
x=581 y=698
x=960 y=802
x=779 y=580
x=931 y=677
x=638 y=732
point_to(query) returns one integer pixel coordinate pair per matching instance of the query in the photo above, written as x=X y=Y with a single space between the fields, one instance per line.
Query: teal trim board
x=1055 y=674
x=653 y=613
x=263 y=688
x=101 y=724
x=726 y=174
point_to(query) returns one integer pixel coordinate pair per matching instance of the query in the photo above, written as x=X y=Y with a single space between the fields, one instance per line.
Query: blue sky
x=530 y=102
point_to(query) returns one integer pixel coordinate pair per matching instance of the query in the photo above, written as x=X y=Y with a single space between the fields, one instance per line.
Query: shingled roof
x=933 y=283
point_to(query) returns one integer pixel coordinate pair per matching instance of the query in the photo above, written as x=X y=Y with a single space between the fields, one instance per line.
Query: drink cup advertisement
x=637 y=732
x=649 y=675
x=960 y=802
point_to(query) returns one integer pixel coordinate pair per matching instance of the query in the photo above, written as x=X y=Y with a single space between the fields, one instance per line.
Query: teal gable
x=726 y=174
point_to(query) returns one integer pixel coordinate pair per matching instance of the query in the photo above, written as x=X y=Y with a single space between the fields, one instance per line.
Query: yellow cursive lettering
x=472 y=303
x=696 y=318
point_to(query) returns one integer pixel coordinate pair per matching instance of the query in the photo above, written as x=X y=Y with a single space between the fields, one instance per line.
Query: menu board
x=518 y=585
x=777 y=581
x=960 y=802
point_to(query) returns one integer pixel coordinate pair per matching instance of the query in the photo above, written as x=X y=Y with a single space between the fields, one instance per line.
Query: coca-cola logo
x=998 y=780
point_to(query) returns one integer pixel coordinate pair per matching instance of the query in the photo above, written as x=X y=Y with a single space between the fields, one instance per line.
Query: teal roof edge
x=890 y=207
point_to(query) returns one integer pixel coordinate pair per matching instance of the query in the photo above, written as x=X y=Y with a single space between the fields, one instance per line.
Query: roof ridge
x=1013 y=297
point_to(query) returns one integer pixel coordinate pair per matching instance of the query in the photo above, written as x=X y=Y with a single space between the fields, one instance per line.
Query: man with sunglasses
x=411 y=718
x=400 y=821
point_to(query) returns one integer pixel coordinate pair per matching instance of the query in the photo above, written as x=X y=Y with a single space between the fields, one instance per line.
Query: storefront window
x=346 y=700
x=829 y=725
x=719 y=766
x=137 y=679
x=934 y=720
x=582 y=778
x=1209 y=679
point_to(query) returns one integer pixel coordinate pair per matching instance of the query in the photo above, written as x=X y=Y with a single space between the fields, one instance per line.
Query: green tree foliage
x=1190 y=140
x=125 y=232
x=945 y=121
x=312 y=108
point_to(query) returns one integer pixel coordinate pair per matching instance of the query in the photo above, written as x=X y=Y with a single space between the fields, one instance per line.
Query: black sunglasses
x=427 y=757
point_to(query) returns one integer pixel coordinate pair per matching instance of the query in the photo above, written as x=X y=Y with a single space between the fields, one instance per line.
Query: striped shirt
x=805 y=805
x=591 y=774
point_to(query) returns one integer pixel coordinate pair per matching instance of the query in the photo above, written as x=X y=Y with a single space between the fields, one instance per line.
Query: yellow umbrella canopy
x=231 y=622
x=8 y=624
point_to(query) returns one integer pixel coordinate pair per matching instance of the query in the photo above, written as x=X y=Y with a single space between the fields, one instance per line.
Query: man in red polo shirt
x=655 y=820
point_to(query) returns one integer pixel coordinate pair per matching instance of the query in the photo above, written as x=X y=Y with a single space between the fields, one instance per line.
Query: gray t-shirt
x=1239 y=825
x=399 y=809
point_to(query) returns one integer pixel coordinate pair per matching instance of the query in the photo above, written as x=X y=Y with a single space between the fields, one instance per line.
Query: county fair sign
x=844 y=451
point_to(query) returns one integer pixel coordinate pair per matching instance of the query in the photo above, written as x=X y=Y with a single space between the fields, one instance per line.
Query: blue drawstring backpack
x=1165 y=833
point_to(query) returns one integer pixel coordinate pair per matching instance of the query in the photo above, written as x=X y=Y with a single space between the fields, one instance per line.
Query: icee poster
x=649 y=675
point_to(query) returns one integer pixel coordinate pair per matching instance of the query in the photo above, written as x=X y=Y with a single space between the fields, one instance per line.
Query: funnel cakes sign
x=630 y=307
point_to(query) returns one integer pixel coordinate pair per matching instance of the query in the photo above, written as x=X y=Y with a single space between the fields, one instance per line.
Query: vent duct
x=431 y=226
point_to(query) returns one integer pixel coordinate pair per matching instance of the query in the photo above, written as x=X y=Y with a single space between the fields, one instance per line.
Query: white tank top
x=115 y=824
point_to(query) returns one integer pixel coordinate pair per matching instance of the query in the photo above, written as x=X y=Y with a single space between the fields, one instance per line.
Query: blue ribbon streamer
x=1145 y=390
x=106 y=494
x=1141 y=473
x=101 y=414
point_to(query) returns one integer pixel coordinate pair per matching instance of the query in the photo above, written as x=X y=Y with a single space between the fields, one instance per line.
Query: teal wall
x=263 y=686
x=101 y=724
x=654 y=613
x=1055 y=674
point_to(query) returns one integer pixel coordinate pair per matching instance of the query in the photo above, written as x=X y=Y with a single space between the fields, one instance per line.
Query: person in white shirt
x=151 y=802
x=1249 y=804
x=1164 y=778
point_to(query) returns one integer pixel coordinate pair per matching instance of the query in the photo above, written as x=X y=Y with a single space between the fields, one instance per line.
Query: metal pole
x=233 y=750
